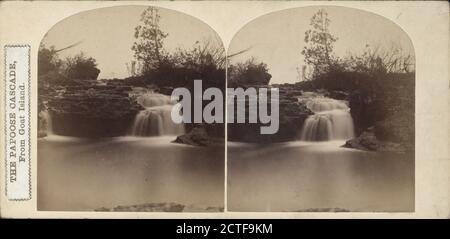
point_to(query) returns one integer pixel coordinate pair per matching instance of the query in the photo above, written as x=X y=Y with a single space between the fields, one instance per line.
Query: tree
x=81 y=67
x=318 y=52
x=48 y=60
x=148 y=47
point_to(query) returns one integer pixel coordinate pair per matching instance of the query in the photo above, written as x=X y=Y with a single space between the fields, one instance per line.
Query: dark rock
x=336 y=209
x=91 y=110
x=103 y=209
x=214 y=209
x=365 y=110
x=161 y=207
x=147 y=207
x=338 y=95
x=368 y=141
x=292 y=114
x=166 y=90
x=389 y=108
x=397 y=128
x=198 y=136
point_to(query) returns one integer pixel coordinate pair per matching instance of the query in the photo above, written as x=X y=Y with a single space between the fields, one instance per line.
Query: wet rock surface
x=386 y=115
x=292 y=114
x=368 y=141
x=198 y=136
x=90 y=110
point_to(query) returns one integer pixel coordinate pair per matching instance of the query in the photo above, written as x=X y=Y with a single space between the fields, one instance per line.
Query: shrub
x=250 y=72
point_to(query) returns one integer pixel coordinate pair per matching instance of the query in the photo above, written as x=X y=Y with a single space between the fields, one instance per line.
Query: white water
x=316 y=173
x=155 y=120
x=331 y=120
x=87 y=174
x=47 y=122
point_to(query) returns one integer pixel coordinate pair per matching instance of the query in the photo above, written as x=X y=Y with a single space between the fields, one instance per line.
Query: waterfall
x=331 y=119
x=46 y=122
x=155 y=119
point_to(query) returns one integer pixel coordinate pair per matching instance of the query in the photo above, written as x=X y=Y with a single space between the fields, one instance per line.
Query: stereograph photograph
x=203 y=110
x=107 y=141
x=346 y=114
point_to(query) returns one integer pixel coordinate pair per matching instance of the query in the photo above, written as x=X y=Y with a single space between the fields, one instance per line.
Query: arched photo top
x=109 y=34
x=277 y=40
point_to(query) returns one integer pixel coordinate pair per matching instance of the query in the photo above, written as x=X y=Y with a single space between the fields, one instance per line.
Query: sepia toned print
x=194 y=110
x=345 y=143
x=106 y=139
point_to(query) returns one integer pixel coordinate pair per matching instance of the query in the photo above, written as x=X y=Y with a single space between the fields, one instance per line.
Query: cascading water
x=46 y=122
x=155 y=119
x=331 y=119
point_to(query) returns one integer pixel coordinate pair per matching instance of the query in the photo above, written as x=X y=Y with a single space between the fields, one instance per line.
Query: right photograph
x=339 y=113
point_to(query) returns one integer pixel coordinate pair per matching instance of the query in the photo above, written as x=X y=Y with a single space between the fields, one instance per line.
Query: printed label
x=17 y=122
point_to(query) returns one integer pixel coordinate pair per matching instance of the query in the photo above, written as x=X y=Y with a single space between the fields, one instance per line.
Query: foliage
x=318 y=52
x=48 y=60
x=377 y=61
x=179 y=69
x=204 y=60
x=373 y=61
x=249 y=72
x=81 y=67
x=53 y=70
x=148 y=48
x=201 y=55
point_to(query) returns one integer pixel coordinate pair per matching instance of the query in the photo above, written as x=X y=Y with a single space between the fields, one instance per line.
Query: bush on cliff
x=78 y=67
x=81 y=67
x=249 y=72
x=48 y=60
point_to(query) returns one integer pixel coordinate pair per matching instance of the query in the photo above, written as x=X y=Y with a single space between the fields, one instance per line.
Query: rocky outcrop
x=368 y=141
x=147 y=207
x=292 y=114
x=336 y=209
x=338 y=95
x=365 y=110
x=393 y=134
x=167 y=90
x=198 y=136
x=386 y=113
x=161 y=207
x=91 y=110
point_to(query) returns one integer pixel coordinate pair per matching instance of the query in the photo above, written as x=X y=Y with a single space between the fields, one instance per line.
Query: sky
x=278 y=38
x=107 y=35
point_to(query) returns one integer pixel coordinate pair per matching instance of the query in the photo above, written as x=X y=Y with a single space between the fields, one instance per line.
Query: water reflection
x=305 y=176
x=81 y=174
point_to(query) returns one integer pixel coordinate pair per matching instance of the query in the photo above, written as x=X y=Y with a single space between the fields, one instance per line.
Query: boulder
x=198 y=136
x=368 y=141
x=365 y=141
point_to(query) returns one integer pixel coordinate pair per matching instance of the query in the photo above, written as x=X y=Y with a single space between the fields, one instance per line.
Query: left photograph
x=107 y=138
